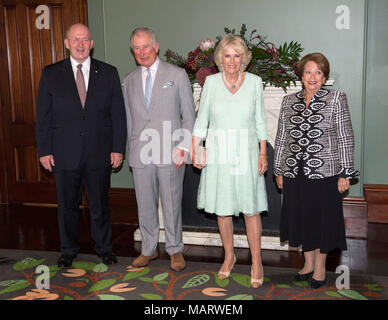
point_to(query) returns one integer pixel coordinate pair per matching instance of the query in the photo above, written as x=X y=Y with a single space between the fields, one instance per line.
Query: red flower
x=191 y=59
x=213 y=69
x=202 y=73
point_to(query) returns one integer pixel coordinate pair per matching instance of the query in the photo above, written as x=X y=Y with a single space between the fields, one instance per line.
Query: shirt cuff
x=184 y=149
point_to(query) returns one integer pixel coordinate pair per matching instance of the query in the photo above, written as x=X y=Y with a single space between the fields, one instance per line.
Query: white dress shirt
x=85 y=69
x=153 y=69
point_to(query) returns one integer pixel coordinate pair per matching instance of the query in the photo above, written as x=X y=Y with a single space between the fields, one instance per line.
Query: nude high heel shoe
x=256 y=283
x=223 y=275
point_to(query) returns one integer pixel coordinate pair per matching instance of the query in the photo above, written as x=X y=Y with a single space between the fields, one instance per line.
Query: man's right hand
x=47 y=162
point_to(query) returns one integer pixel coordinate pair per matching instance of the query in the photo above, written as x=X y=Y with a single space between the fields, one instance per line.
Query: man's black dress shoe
x=316 y=284
x=65 y=261
x=303 y=277
x=109 y=258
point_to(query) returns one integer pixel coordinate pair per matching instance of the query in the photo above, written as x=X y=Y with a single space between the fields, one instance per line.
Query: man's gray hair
x=146 y=30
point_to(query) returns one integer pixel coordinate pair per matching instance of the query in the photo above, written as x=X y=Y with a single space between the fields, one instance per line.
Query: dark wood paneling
x=3 y=167
x=80 y=11
x=377 y=198
x=123 y=206
x=356 y=217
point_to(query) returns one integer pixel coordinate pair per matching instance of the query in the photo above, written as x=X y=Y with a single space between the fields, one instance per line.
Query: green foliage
x=15 y=286
x=100 y=268
x=241 y=297
x=352 y=294
x=151 y=296
x=102 y=284
x=136 y=274
x=196 y=281
x=109 y=297
x=222 y=283
x=333 y=294
x=302 y=284
x=275 y=66
x=242 y=279
x=85 y=265
x=27 y=263
x=373 y=287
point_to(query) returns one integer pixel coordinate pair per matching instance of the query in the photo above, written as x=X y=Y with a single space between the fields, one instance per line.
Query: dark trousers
x=69 y=192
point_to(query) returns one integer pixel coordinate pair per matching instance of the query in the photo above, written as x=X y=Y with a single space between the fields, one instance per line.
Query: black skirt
x=312 y=214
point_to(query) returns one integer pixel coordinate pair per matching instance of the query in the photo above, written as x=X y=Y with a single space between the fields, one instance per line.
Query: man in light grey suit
x=160 y=116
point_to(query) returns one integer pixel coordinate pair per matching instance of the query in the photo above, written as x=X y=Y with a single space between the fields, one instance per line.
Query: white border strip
x=214 y=239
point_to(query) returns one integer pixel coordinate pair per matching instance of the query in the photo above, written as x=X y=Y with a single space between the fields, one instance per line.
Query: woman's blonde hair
x=238 y=44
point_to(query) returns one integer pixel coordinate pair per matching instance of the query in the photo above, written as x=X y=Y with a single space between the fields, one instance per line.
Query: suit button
x=81 y=134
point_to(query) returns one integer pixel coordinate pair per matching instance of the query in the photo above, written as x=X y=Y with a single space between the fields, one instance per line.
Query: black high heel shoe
x=316 y=284
x=303 y=277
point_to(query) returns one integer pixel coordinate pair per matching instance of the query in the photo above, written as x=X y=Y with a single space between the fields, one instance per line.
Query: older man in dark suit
x=81 y=135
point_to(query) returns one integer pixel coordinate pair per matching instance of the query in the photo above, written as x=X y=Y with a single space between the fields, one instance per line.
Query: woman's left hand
x=343 y=184
x=262 y=164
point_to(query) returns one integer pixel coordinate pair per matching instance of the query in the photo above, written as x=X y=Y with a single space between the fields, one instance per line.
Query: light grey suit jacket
x=169 y=121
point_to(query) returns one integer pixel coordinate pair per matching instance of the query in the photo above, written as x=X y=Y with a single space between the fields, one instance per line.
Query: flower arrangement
x=276 y=66
x=199 y=63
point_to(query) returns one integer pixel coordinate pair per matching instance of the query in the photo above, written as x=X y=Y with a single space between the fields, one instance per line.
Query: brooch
x=169 y=84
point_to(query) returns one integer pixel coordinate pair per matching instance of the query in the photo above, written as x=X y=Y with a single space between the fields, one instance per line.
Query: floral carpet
x=34 y=275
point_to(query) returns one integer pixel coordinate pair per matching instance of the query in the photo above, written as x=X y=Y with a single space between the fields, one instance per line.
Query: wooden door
x=25 y=48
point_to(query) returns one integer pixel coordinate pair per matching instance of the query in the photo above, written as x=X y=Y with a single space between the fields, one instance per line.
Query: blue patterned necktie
x=148 y=89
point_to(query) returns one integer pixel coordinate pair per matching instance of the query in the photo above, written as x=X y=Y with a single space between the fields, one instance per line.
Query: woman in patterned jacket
x=313 y=165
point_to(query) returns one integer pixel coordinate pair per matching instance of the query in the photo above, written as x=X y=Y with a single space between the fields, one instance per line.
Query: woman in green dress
x=231 y=118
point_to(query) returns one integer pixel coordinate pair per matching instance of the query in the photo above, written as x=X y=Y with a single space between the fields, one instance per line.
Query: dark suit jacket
x=65 y=130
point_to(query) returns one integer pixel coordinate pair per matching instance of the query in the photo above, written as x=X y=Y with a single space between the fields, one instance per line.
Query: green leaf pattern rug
x=21 y=278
